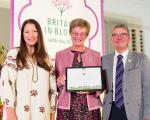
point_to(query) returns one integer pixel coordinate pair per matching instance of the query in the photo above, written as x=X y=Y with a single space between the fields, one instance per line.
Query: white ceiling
x=145 y=3
x=5 y=3
x=141 y=2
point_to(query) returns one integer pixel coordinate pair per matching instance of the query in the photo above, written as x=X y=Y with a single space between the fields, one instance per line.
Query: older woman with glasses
x=77 y=105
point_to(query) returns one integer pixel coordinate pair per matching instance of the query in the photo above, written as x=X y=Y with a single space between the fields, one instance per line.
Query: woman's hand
x=85 y=92
x=97 y=93
x=10 y=114
x=52 y=116
x=61 y=80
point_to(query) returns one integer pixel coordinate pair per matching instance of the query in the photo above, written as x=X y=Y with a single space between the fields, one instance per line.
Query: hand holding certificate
x=84 y=78
x=61 y=80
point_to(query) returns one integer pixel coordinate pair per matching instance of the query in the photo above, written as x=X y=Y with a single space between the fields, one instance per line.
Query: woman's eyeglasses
x=78 y=34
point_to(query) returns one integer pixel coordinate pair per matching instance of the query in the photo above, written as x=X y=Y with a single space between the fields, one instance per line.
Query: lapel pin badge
x=129 y=60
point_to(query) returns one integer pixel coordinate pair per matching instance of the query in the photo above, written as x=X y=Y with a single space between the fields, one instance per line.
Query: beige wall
x=133 y=12
x=5 y=27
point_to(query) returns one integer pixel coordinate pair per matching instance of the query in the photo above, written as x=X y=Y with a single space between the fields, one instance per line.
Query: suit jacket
x=64 y=59
x=136 y=86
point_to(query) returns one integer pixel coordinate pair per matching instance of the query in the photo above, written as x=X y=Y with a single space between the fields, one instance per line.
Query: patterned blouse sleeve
x=8 y=78
x=53 y=88
x=53 y=93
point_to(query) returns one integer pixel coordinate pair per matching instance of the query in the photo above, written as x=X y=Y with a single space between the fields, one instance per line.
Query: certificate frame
x=84 y=78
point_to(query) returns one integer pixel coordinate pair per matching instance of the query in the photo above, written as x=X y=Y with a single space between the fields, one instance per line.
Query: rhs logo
x=61 y=5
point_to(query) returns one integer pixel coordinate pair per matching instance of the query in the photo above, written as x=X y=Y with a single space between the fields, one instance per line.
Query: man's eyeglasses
x=122 y=35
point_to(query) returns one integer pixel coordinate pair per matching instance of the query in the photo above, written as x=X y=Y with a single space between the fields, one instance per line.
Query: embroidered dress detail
x=34 y=71
x=31 y=101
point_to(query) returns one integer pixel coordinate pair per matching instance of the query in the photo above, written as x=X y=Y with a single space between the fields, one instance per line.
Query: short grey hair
x=124 y=26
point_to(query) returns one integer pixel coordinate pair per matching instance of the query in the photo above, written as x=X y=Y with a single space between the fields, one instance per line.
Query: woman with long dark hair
x=29 y=89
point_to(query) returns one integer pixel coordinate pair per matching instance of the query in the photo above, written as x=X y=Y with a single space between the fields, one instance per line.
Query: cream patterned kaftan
x=31 y=100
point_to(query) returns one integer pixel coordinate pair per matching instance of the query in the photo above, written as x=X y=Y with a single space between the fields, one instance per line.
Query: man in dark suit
x=128 y=80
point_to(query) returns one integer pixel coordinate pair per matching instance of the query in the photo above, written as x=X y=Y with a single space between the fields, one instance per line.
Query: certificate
x=84 y=78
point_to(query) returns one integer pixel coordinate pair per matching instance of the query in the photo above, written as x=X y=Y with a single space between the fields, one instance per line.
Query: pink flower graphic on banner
x=62 y=5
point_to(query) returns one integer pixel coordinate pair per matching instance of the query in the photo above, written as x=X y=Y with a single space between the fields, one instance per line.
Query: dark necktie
x=118 y=85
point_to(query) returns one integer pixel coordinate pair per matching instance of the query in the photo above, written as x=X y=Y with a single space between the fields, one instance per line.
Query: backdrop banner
x=54 y=17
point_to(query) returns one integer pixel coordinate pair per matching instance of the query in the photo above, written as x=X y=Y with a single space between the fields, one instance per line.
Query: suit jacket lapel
x=111 y=61
x=129 y=63
x=129 y=66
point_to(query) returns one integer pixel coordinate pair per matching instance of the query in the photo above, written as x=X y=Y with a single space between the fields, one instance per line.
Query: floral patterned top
x=31 y=92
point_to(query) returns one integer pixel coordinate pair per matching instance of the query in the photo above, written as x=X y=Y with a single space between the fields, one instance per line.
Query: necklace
x=34 y=71
x=81 y=50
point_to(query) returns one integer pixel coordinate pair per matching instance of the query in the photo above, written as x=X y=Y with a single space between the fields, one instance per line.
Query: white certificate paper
x=84 y=78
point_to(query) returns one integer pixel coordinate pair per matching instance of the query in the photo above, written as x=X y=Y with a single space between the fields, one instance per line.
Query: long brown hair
x=39 y=53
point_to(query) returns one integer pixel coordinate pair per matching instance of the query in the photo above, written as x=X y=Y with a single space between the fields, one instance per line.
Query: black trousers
x=116 y=113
